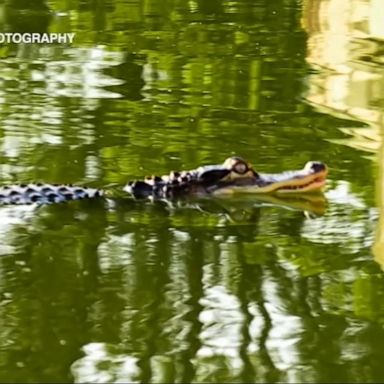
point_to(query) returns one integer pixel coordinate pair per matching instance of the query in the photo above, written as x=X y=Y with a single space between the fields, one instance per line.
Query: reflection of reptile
x=234 y=176
x=212 y=212
x=237 y=207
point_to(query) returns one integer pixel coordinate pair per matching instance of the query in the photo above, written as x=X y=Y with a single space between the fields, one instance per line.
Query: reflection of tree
x=250 y=290
x=344 y=45
x=151 y=338
x=53 y=279
x=27 y=16
x=136 y=277
x=194 y=263
x=201 y=81
x=152 y=278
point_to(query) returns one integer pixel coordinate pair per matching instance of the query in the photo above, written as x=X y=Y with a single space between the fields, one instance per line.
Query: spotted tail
x=45 y=193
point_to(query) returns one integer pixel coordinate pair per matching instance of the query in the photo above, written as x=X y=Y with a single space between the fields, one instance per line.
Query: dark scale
x=173 y=185
x=45 y=193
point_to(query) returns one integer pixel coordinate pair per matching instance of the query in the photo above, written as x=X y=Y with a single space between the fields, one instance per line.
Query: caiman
x=234 y=176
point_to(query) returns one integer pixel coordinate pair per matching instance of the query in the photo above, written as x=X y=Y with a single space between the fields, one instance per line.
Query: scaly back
x=45 y=193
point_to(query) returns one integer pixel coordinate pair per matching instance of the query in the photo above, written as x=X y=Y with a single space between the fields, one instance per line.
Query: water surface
x=219 y=290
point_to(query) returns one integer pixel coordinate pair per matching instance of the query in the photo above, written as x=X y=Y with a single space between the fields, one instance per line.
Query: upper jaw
x=309 y=179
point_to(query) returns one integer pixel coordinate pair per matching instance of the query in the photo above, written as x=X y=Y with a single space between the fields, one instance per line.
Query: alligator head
x=311 y=178
x=235 y=175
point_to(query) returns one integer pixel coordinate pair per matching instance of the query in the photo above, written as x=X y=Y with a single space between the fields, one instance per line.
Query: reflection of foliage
x=148 y=278
x=51 y=278
x=149 y=86
x=213 y=88
x=27 y=16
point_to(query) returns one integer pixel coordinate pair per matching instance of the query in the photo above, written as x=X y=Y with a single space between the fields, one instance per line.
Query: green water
x=225 y=291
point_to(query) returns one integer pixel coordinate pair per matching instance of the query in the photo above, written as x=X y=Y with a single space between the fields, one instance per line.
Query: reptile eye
x=315 y=166
x=240 y=168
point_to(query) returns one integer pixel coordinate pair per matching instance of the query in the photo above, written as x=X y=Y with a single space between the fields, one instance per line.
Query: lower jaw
x=316 y=186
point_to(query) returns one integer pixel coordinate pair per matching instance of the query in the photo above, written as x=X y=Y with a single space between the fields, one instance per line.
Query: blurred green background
x=232 y=291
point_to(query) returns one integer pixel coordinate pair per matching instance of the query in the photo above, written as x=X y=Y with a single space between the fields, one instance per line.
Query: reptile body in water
x=234 y=176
